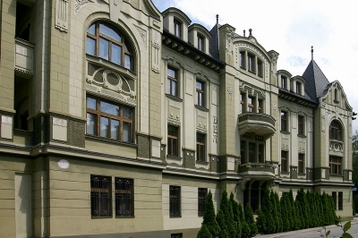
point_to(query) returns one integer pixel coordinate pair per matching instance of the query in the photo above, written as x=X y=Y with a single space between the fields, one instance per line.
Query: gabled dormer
x=284 y=79
x=176 y=22
x=336 y=96
x=298 y=85
x=199 y=37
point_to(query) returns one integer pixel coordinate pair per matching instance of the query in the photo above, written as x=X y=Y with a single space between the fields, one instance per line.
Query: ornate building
x=117 y=119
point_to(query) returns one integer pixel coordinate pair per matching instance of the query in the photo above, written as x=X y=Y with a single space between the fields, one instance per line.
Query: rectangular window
x=242 y=102
x=200 y=93
x=242 y=60
x=173 y=141
x=124 y=193
x=174 y=201
x=334 y=196
x=340 y=200
x=335 y=165
x=252 y=152
x=251 y=104
x=176 y=235
x=172 y=82
x=301 y=125
x=201 y=42
x=177 y=28
x=260 y=68
x=284 y=125
x=260 y=106
x=202 y=192
x=301 y=162
x=243 y=152
x=298 y=88
x=251 y=63
x=283 y=82
x=200 y=147
x=284 y=161
x=106 y=119
x=261 y=153
x=101 y=196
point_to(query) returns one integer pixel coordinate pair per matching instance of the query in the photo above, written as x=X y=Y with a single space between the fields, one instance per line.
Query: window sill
x=174 y=157
x=301 y=135
x=201 y=108
x=175 y=98
x=202 y=162
x=336 y=175
x=132 y=216
x=109 y=64
x=101 y=217
x=176 y=216
x=106 y=140
x=285 y=132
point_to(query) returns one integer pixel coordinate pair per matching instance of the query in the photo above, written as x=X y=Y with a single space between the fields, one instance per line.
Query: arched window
x=335 y=130
x=107 y=43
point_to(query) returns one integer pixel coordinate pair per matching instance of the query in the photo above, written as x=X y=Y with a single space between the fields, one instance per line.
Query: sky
x=291 y=28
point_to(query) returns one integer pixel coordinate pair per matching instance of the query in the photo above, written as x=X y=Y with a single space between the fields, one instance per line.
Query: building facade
x=118 y=119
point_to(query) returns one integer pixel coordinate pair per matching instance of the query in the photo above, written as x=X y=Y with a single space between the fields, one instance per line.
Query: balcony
x=259 y=123
x=24 y=57
x=336 y=146
x=258 y=171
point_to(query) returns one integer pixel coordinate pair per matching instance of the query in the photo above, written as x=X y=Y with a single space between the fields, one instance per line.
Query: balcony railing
x=259 y=123
x=24 y=57
x=336 y=146
x=263 y=171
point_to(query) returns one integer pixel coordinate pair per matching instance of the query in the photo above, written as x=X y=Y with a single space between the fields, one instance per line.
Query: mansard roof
x=316 y=81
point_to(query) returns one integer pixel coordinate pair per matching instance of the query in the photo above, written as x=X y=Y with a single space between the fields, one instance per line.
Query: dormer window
x=201 y=40
x=299 y=88
x=336 y=96
x=283 y=82
x=177 y=28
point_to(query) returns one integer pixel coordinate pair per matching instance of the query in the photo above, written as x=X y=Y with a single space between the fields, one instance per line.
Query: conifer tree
x=226 y=207
x=220 y=217
x=264 y=218
x=284 y=213
x=249 y=218
x=291 y=211
x=209 y=219
x=277 y=209
x=236 y=215
x=204 y=232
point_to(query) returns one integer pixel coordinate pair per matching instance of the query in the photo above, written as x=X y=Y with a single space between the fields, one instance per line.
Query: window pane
x=174 y=88
x=104 y=126
x=103 y=29
x=199 y=85
x=91 y=103
x=90 y=46
x=109 y=108
x=127 y=113
x=116 y=54
x=92 y=29
x=127 y=61
x=171 y=73
x=126 y=132
x=114 y=129
x=91 y=124
x=103 y=48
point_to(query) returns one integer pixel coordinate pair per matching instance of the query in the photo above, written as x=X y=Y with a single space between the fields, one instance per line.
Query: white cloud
x=291 y=28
